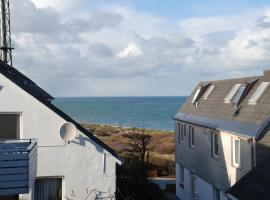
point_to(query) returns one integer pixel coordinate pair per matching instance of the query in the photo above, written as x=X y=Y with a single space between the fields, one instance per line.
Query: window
x=191 y=137
x=48 y=188
x=196 y=95
x=185 y=129
x=239 y=95
x=216 y=194
x=181 y=133
x=208 y=92
x=214 y=144
x=232 y=93
x=182 y=177
x=236 y=152
x=258 y=93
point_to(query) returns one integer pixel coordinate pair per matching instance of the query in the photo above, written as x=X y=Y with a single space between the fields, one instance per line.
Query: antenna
x=5 y=39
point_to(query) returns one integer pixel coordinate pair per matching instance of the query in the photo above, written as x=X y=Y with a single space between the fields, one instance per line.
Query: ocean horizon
x=150 y=112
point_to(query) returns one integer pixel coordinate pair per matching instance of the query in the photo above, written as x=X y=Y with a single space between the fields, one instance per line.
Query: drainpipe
x=253 y=152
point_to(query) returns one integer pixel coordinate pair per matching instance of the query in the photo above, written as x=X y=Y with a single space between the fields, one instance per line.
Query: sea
x=143 y=112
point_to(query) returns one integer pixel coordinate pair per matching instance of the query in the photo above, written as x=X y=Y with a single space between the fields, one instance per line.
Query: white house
x=84 y=168
x=222 y=133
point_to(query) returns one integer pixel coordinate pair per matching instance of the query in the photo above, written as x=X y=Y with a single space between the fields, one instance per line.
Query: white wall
x=203 y=189
x=80 y=163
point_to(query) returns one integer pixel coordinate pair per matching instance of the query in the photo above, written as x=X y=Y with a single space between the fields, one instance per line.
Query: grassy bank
x=161 y=147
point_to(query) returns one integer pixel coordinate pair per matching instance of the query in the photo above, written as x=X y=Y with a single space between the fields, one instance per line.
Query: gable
x=40 y=96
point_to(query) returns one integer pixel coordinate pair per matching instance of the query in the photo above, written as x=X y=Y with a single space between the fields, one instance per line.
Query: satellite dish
x=68 y=132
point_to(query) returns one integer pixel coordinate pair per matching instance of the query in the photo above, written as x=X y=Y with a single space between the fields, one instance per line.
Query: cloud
x=117 y=43
x=131 y=50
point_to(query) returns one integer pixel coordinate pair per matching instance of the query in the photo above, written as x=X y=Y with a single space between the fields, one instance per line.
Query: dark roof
x=214 y=113
x=254 y=185
x=33 y=89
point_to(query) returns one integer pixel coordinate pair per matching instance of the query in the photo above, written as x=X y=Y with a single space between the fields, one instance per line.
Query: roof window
x=196 y=95
x=199 y=93
x=239 y=94
x=232 y=93
x=208 y=92
x=258 y=93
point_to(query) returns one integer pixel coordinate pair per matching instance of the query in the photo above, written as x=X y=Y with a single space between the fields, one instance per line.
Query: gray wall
x=263 y=148
x=220 y=171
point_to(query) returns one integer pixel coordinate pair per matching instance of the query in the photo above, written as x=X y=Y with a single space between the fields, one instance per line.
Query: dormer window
x=208 y=92
x=232 y=93
x=258 y=93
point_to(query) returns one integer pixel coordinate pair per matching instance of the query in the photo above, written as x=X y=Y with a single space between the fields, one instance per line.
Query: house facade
x=222 y=133
x=84 y=168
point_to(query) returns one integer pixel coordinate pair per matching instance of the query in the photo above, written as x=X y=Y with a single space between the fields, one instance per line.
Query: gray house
x=222 y=132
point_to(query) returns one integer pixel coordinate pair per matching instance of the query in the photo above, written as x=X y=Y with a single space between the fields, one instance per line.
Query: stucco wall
x=80 y=163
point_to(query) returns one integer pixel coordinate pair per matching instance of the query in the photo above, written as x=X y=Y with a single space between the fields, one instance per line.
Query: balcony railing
x=18 y=166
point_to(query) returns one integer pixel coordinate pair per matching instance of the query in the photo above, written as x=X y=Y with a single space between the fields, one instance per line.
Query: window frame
x=236 y=164
x=232 y=93
x=214 y=139
x=180 y=133
x=209 y=91
x=191 y=137
x=257 y=94
x=182 y=176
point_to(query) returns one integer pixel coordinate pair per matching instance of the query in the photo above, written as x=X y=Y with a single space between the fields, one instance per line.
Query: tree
x=139 y=142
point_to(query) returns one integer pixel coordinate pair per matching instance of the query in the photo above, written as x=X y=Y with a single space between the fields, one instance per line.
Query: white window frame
x=191 y=137
x=214 y=138
x=209 y=91
x=238 y=94
x=232 y=93
x=258 y=93
x=196 y=94
x=235 y=164
x=181 y=133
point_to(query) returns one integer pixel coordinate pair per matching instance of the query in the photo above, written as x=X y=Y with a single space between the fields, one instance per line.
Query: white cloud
x=60 y=5
x=117 y=45
x=131 y=50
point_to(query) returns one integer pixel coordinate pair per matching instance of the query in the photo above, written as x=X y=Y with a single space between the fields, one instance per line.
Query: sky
x=138 y=47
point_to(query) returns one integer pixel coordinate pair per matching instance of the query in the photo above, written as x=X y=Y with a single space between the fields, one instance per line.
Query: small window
x=214 y=144
x=258 y=93
x=232 y=93
x=181 y=133
x=208 y=92
x=182 y=177
x=185 y=129
x=236 y=152
x=239 y=94
x=191 y=137
x=196 y=95
x=216 y=194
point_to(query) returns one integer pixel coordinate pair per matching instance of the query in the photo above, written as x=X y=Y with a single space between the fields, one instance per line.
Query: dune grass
x=161 y=147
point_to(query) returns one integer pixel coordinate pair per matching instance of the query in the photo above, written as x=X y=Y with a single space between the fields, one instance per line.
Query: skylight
x=258 y=93
x=196 y=95
x=239 y=94
x=208 y=92
x=232 y=93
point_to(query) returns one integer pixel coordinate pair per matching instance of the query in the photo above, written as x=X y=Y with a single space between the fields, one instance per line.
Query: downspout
x=253 y=153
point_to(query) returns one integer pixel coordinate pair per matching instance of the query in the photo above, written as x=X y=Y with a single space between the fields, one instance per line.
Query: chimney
x=266 y=73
